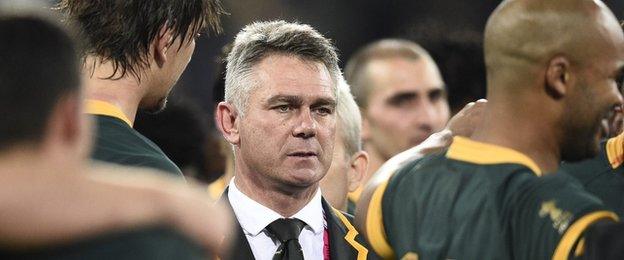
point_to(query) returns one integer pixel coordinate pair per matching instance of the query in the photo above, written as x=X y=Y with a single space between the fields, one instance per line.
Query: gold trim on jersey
x=375 y=229
x=464 y=149
x=217 y=187
x=580 y=248
x=355 y=195
x=350 y=236
x=98 y=107
x=573 y=234
x=615 y=150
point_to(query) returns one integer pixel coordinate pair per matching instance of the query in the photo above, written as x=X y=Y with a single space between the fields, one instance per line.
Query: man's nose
x=306 y=126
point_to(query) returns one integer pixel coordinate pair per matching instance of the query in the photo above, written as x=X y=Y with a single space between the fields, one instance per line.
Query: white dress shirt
x=254 y=217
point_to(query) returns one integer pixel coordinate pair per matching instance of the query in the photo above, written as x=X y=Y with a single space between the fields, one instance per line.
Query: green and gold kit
x=117 y=142
x=603 y=175
x=480 y=201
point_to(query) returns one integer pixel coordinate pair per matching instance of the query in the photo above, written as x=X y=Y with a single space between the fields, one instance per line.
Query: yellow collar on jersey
x=98 y=107
x=355 y=195
x=464 y=149
x=615 y=150
x=217 y=187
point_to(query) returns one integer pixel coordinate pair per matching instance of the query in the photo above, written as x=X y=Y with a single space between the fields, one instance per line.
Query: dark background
x=349 y=23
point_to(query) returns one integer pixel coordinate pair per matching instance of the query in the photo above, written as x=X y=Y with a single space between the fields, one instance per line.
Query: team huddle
x=362 y=163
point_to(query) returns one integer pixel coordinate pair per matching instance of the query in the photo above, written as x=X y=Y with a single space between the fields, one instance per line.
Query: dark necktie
x=287 y=231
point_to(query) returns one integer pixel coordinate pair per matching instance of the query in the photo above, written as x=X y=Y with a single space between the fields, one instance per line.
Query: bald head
x=522 y=37
x=554 y=66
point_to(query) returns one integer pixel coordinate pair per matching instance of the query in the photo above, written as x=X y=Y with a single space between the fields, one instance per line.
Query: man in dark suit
x=279 y=115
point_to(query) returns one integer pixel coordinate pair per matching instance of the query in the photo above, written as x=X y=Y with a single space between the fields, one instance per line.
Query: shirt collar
x=98 y=107
x=254 y=217
x=615 y=150
x=464 y=149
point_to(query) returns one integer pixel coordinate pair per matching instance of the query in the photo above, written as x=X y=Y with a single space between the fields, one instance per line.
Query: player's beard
x=581 y=142
x=581 y=131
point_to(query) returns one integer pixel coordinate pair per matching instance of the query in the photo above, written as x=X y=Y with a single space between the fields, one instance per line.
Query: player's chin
x=303 y=178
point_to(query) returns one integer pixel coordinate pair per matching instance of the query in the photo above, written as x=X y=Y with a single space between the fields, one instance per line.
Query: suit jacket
x=344 y=241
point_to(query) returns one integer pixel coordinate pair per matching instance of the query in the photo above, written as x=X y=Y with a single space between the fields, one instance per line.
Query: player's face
x=177 y=60
x=407 y=104
x=335 y=185
x=288 y=128
x=595 y=95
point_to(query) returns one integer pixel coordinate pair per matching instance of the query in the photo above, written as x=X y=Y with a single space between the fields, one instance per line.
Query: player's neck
x=523 y=132
x=123 y=92
x=285 y=202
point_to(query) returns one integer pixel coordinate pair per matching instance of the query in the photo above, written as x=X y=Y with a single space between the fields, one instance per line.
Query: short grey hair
x=380 y=49
x=349 y=119
x=260 y=39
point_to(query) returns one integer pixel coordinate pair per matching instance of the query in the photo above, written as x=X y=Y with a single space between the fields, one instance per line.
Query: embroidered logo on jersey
x=560 y=218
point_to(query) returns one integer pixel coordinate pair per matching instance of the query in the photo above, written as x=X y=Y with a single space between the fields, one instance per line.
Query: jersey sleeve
x=547 y=217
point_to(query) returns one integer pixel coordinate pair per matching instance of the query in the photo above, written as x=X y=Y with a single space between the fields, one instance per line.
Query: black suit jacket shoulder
x=345 y=242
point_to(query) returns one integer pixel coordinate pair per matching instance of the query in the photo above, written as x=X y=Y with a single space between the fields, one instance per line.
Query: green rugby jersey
x=479 y=201
x=603 y=175
x=117 y=142
x=148 y=243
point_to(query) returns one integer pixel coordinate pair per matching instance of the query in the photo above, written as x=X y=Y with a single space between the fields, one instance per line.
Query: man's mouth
x=302 y=154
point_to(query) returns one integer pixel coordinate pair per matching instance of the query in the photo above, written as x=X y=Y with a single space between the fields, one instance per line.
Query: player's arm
x=48 y=210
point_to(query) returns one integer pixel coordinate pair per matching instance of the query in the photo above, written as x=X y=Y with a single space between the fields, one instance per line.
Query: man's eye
x=283 y=108
x=402 y=100
x=324 y=111
x=436 y=95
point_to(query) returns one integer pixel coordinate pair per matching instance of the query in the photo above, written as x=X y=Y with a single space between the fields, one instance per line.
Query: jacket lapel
x=338 y=247
x=239 y=248
x=344 y=241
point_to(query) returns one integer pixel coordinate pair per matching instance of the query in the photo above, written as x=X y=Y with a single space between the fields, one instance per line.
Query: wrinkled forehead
x=293 y=76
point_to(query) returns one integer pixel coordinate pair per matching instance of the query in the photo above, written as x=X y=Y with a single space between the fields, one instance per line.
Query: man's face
x=288 y=128
x=406 y=104
x=177 y=60
x=595 y=95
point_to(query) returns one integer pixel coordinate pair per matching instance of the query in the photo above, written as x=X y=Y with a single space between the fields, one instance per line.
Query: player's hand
x=466 y=120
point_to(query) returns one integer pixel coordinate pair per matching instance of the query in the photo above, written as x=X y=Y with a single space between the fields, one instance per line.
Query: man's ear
x=162 y=44
x=357 y=170
x=559 y=78
x=227 y=120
